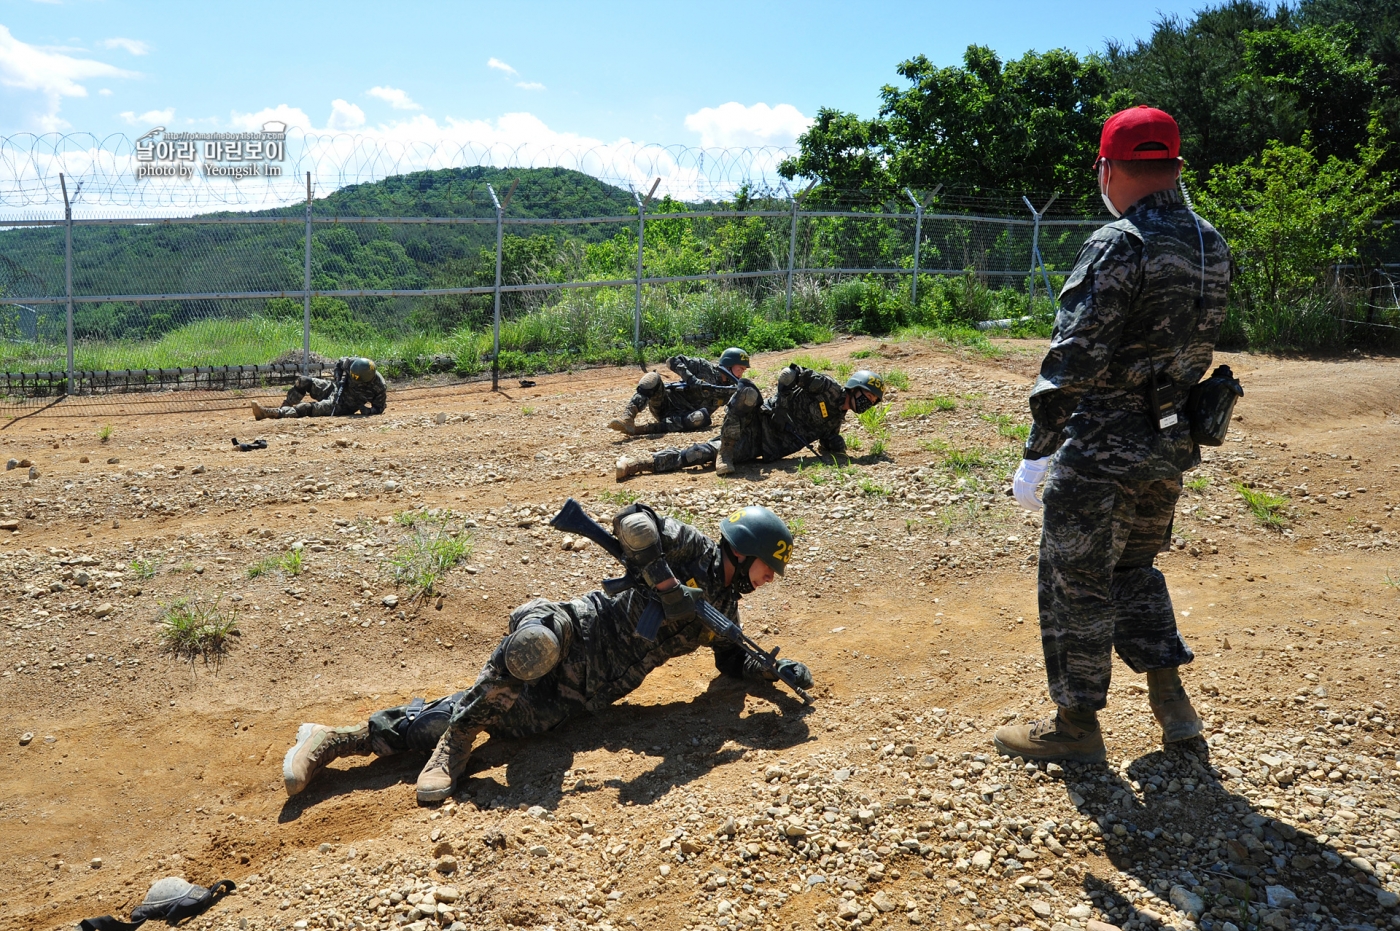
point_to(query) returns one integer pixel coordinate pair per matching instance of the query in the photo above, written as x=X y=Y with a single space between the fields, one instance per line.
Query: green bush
x=1290 y=219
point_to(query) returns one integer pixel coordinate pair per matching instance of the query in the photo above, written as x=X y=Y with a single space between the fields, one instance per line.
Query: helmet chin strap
x=742 y=583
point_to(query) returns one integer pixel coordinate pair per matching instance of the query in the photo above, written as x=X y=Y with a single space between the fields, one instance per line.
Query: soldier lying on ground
x=356 y=389
x=686 y=404
x=561 y=659
x=808 y=408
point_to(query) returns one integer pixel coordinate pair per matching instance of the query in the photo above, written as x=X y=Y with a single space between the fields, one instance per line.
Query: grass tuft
x=876 y=423
x=1199 y=483
x=1267 y=508
x=1008 y=426
x=290 y=562
x=144 y=568
x=197 y=627
x=427 y=553
x=815 y=363
x=104 y=433
x=621 y=498
x=931 y=405
x=897 y=380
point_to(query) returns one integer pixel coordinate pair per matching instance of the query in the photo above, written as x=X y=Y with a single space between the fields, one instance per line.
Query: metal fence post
x=496 y=310
x=918 y=238
x=68 y=275
x=792 y=257
x=306 y=290
x=1035 y=247
x=641 y=240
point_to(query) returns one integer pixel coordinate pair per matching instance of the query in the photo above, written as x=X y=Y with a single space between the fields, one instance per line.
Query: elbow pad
x=638 y=529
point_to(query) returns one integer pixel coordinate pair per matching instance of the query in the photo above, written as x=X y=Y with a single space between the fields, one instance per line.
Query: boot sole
x=1092 y=756
x=288 y=779
x=1186 y=731
x=429 y=796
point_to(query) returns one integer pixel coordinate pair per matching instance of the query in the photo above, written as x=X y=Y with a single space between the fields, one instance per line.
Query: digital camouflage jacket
x=1147 y=290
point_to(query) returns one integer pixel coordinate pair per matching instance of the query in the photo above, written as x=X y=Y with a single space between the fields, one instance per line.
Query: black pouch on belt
x=1211 y=404
x=1161 y=399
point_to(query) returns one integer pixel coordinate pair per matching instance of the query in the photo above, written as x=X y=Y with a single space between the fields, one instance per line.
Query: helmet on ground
x=870 y=382
x=531 y=652
x=755 y=531
x=733 y=356
x=362 y=369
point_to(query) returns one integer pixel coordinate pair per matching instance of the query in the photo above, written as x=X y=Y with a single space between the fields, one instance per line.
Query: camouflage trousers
x=742 y=431
x=322 y=403
x=497 y=702
x=1098 y=588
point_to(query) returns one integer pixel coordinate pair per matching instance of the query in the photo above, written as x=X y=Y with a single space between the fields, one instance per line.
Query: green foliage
x=897 y=380
x=144 y=569
x=815 y=363
x=875 y=421
x=929 y=406
x=822 y=472
x=1008 y=426
x=289 y=563
x=429 y=551
x=620 y=498
x=871 y=488
x=1290 y=218
x=104 y=433
x=1267 y=508
x=1199 y=483
x=191 y=627
x=1025 y=125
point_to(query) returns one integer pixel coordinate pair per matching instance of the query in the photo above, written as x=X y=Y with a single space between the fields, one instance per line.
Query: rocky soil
x=697 y=803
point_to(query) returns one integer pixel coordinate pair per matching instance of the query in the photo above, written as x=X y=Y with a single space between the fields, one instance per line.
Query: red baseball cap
x=1139 y=133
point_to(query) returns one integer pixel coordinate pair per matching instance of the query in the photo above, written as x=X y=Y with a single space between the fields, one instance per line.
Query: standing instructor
x=1136 y=327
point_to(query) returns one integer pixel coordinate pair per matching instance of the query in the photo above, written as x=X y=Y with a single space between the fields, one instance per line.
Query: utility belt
x=1209 y=404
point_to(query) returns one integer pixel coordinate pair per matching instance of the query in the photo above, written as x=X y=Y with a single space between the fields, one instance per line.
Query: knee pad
x=305 y=409
x=698 y=454
x=426 y=722
x=532 y=651
x=745 y=399
x=649 y=385
x=697 y=420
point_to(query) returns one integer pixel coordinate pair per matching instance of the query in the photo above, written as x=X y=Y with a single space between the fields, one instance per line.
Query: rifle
x=573 y=519
x=681 y=385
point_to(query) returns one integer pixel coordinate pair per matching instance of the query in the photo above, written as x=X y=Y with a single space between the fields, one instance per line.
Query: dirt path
x=912 y=599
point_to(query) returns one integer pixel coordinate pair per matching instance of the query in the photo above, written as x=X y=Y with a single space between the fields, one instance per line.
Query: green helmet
x=755 y=531
x=733 y=356
x=870 y=382
x=362 y=369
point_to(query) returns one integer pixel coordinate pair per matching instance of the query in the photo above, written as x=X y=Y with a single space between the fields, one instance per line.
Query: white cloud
x=500 y=66
x=530 y=85
x=396 y=98
x=150 y=117
x=132 y=46
x=294 y=117
x=733 y=124
x=105 y=92
x=345 y=116
x=49 y=75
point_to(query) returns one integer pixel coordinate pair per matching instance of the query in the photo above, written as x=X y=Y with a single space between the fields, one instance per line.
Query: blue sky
x=716 y=73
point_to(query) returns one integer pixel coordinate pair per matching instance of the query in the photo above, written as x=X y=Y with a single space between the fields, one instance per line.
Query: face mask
x=860 y=402
x=1103 y=188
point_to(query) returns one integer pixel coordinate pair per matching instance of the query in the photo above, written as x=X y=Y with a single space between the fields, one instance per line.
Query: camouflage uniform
x=603 y=658
x=689 y=403
x=1135 y=294
x=811 y=411
x=356 y=398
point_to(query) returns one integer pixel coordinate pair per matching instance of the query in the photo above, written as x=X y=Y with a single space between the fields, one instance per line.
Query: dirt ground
x=695 y=802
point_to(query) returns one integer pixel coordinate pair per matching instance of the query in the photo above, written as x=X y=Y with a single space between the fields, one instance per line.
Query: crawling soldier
x=357 y=389
x=686 y=404
x=808 y=408
x=562 y=659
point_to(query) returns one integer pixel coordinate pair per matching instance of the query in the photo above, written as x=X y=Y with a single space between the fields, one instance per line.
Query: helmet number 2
x=782 y=551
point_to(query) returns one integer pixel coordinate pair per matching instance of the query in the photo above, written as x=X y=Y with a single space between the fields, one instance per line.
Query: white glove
x=1026 y=483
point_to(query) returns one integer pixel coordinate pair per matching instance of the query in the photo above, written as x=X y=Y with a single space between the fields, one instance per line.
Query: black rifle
x=681 y=385
x=573 y=519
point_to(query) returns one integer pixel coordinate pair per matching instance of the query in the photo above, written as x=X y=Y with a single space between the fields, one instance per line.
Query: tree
x=1029 y=125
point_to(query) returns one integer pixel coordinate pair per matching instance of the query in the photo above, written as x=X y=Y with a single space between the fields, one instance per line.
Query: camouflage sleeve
x=834 y=445
x=685 y=367
x=378 y=396
x=1093 y=306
